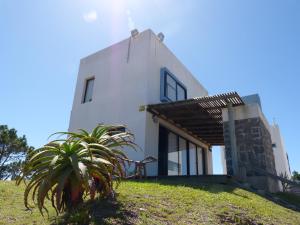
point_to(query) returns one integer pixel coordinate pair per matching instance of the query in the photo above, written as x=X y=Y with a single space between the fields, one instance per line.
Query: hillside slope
x=158 y=202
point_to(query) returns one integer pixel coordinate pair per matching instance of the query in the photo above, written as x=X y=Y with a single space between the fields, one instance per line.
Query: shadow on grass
x=217 y=184
x=100 y=211
x=206 y=183
x=107 y=212
x=290 y=198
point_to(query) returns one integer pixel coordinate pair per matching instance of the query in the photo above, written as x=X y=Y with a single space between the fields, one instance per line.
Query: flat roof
x=201 y=117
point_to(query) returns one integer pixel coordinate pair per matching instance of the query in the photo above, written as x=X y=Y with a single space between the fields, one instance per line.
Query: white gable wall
x=280 y=155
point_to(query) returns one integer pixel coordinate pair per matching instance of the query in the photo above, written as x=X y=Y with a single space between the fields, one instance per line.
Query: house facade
x=116 y=83
x=140 y=83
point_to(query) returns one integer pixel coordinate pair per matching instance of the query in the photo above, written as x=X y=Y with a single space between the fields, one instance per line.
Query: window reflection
x=193 y=159
x=173 y=166
x=178 y=149
x=200 y=160
x=182 y=157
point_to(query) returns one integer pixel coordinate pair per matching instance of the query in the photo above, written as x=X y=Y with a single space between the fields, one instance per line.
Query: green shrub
x=82 y=164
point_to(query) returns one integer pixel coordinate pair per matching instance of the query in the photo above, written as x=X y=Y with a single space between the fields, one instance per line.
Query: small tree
x=12 y=152
x=285 y=185
x=296 y=176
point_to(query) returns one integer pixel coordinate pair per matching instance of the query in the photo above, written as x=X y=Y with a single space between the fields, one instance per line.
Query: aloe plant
x=83 y=163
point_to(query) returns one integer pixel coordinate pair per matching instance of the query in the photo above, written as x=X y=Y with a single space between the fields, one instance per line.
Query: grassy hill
x=159 y=202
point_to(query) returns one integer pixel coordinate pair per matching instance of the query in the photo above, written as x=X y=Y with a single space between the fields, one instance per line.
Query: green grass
x=162 y=202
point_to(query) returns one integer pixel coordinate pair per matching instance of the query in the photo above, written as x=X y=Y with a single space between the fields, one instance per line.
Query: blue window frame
x=171 y=89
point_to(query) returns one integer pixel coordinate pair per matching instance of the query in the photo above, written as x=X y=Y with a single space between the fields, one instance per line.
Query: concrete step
x=215 y=179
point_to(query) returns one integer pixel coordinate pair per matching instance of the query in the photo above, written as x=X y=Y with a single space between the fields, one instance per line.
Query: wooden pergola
x=201 y=117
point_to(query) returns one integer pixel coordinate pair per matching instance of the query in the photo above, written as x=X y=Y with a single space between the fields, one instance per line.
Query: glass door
x=193 y=159
x=200 y=160
x=177 y=156
x=173 y=156
x=182 y=157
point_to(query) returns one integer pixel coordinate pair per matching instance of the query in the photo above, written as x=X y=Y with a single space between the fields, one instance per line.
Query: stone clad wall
x=254 y=150
x=254 y=145
x=228 y=149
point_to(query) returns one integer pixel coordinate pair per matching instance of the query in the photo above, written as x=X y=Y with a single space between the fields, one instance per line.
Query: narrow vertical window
x=88 y=92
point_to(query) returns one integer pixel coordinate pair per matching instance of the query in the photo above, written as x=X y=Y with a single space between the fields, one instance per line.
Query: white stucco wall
x=119 y=89
x=280 y=154
x=252 y=110
x=127 y=75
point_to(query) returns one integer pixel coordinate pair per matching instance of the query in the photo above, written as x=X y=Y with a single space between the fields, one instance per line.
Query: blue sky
x=246 y=46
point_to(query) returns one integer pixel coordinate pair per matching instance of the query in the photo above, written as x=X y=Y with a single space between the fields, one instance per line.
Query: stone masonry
x=254 y=150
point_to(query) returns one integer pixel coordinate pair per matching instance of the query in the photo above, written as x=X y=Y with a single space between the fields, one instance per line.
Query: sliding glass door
x=182 y=157
x=197 y=162
x=178 y=156
x=193 y=159
x=173 y=156
x=200 y=158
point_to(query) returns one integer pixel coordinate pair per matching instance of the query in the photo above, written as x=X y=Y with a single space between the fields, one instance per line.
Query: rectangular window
x=88 y=92
x=171 y=88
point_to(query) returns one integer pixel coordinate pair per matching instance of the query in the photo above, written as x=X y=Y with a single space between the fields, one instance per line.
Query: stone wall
x=254 y=150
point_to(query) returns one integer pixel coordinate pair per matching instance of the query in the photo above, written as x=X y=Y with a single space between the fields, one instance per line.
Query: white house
x=115 y=84
x=140 y=83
